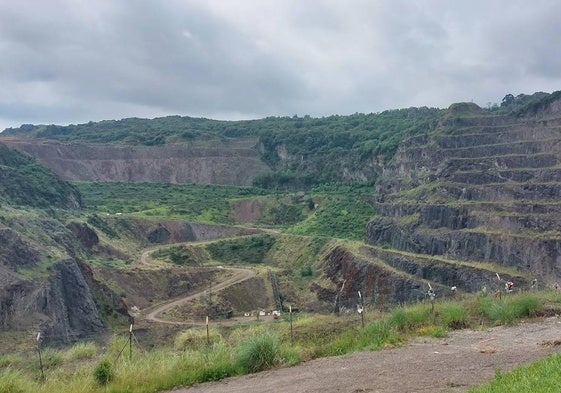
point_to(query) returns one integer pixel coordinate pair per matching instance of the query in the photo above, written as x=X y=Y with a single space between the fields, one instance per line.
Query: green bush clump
x=342 y=216
x=103 y=372
x=84 y=350
x=245 y=250
x=259 y=353
x=306 y=270
x=194 y=339
x=179 y=255
x=507 y=310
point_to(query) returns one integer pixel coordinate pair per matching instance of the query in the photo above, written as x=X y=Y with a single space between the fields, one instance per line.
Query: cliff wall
x=231 y=162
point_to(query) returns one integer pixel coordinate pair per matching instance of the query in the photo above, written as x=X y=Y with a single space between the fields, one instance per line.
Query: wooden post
x=40 y=357
x=130 y=342
x=360 y=308
x=207 y=332
x=291 y=332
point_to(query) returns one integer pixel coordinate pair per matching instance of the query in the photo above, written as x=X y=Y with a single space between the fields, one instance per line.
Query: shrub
x=103 y=372
x=376 y=334
x=245 y=250
x=259 y=353
x=525 y=306
x=512 y=308
x=306 y=270
x=51 y=358
x=218 y=364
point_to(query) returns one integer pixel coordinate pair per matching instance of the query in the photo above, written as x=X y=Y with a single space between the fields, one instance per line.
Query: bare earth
x=465 y=358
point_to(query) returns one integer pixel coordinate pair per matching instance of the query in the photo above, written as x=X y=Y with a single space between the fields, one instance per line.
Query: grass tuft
x=259 y=353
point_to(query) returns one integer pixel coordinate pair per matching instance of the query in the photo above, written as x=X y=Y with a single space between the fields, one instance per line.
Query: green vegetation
x=203 y=203
x=342 y=211
x=508 y=311
x=527 y=105
x=341 y=216
x=542 y=376
x=98 y=222
x=259 y=353
x=179 y=255
x=25 y=182
x=243 y=250
x=103 y=373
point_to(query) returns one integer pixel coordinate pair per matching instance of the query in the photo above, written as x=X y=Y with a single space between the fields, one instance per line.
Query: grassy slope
x=25 y=182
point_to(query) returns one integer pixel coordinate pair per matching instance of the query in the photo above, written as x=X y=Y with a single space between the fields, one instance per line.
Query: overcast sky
x=64 y=61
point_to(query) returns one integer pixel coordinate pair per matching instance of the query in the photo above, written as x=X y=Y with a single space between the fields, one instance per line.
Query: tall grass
x=79 y=351
x=505 y=311
x=13 y=381
x=259 y=353
x=543 y=376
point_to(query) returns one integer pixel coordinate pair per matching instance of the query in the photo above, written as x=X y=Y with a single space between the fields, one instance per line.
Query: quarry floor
x=465 y=358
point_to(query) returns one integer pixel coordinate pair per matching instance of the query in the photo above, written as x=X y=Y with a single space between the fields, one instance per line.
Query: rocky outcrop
x=68 y=304
x=86 y=235
x=61 y=307
x=379 y=284
x=168 y=231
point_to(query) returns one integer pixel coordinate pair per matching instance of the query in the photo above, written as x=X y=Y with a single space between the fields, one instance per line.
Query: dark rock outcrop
x=68 y=304
x=380 y=285
x=61 y=306
x=86 y=235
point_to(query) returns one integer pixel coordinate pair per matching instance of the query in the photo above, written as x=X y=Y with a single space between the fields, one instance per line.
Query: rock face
x=386 y=277
x=68 y=303
x=87 y=236
x=232 y=162
x=479 y=188
x=61 y=307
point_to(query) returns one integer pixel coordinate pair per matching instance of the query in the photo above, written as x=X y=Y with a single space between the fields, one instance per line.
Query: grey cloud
x=66 y=61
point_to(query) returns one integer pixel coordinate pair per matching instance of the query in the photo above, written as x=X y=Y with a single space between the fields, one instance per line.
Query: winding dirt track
x=449 y=365
x=242 y=275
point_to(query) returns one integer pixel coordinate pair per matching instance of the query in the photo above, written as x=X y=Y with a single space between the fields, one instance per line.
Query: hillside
x=276 y=152
x=469 y=193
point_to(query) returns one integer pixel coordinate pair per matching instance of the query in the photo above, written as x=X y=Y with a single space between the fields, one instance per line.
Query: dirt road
x=465 y=358
x=153 y=315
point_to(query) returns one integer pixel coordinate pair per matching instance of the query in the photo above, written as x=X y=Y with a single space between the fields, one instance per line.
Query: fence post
x=40 y=357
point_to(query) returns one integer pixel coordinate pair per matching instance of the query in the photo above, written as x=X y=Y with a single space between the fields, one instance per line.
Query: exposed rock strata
x=479 y=188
